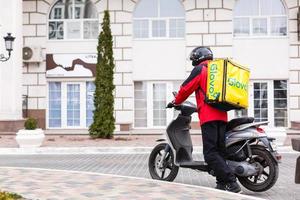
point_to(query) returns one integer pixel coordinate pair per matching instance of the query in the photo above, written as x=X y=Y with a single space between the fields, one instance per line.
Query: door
x=73 y=105
x=268 y=102
x=150 y=100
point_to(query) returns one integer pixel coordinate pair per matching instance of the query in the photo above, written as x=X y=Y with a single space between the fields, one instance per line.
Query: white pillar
x=11 y=70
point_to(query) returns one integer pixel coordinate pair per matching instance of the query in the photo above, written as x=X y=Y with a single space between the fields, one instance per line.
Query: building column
x=11 y=70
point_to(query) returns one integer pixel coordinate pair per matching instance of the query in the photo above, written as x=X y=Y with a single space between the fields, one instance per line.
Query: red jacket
x=198 y=79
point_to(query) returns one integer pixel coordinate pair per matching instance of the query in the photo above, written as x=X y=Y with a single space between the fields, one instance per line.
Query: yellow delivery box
x=227 y=85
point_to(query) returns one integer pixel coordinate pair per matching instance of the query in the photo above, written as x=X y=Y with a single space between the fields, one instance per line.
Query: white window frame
x=150 y=36
x=73 y=19
x=151 y=19
x=60 y=9
x=65 y=21
x=259 y=16
x=269 y=29
x=169 y=112
x=64 y=84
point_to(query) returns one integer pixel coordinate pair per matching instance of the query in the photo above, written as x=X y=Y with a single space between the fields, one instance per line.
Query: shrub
x=30 y=124
x=104 y=122
x=9 y=196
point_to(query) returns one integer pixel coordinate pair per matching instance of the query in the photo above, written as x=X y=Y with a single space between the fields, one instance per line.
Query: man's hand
x=171 y=104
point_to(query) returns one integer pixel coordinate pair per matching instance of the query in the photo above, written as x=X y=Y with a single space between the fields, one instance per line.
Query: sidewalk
x=8 y=141
x=83 y=144
x=59 y=184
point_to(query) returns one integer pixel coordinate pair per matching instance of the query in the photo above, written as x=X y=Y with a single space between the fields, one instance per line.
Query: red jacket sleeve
x=191 y=84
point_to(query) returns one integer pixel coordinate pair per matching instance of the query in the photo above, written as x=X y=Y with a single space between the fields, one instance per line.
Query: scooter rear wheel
x=269 y=175
x=169 y=170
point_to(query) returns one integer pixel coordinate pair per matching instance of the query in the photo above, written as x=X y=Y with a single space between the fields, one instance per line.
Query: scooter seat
x=238 y=121
x=200 y=165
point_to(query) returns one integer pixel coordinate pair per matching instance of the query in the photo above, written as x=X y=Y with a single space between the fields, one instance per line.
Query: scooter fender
x=169 y=147
x=161 y=140
x=267 y=145
x=248 y=134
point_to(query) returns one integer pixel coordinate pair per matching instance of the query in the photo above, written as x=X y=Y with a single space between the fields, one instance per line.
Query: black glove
x=171 y=104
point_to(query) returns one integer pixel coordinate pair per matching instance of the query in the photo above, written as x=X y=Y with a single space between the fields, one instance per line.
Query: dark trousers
x=213 y=137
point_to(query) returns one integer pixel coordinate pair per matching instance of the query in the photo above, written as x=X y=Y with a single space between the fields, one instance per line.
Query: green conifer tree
x=104 y=121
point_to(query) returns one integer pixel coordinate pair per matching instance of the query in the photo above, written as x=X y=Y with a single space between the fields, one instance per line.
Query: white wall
x=71 y=47
x=159 y=60
x=267 y=58
x=11 y=70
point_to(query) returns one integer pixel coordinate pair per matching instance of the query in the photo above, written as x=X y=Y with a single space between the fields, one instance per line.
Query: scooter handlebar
x=170 y=105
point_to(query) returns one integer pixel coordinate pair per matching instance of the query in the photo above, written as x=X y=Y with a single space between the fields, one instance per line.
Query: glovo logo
x=237 y=84
x=212 y=81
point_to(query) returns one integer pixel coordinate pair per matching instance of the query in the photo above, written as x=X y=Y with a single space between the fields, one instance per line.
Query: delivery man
x=213 y=121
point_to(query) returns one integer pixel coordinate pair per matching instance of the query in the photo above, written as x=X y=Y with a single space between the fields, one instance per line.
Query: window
x=260 y=26
x=150 y=100
x=65 y=24
x=260 y=18
x=71 y=104
x=159 y=19
x=141 y=28
x=177 y=28
x=159 y=28
x=57 y=13
x=241 y=113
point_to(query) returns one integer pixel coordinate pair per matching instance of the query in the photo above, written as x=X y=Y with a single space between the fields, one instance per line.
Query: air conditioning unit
x=32 y=54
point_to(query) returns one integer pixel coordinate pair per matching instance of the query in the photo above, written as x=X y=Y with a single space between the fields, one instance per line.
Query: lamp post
x=8 y=45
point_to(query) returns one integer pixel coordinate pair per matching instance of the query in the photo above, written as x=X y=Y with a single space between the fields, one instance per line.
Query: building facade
x=152 y=40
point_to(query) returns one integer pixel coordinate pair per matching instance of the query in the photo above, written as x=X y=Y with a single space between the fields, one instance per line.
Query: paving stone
x=119 y=187
x=136 y=165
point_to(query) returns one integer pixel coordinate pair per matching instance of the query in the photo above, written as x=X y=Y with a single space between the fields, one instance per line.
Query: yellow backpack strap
x=204 y=94
x=200 y=89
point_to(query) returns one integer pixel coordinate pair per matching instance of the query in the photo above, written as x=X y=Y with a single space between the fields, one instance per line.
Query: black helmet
x=200 y=54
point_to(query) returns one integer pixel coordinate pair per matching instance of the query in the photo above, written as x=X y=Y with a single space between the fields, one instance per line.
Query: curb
x=102 y=150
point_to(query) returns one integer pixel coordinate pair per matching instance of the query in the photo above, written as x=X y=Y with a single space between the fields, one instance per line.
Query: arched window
x=159 y=19
x=73 y=19
x=260 y=18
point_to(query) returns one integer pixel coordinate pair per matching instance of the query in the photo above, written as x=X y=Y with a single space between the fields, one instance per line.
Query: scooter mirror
x=174 y=93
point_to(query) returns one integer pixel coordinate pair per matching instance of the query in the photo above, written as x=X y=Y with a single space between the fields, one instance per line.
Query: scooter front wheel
x=167 y=171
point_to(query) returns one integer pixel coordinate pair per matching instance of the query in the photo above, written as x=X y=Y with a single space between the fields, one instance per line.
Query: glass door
x=150 y=100
x=260 y=101
x=159 y=104
x=280 y=103
x=268 y=102
x=54 y=105
x=90 y=90
x=73 y=105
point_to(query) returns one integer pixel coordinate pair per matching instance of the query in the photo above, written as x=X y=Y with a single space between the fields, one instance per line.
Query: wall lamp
x=8 y=45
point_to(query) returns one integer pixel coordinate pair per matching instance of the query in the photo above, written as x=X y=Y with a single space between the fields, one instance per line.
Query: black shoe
x=220 y=186
x=233 y=187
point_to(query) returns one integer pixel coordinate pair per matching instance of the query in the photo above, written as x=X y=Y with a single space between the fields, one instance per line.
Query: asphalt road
x=136 y=165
